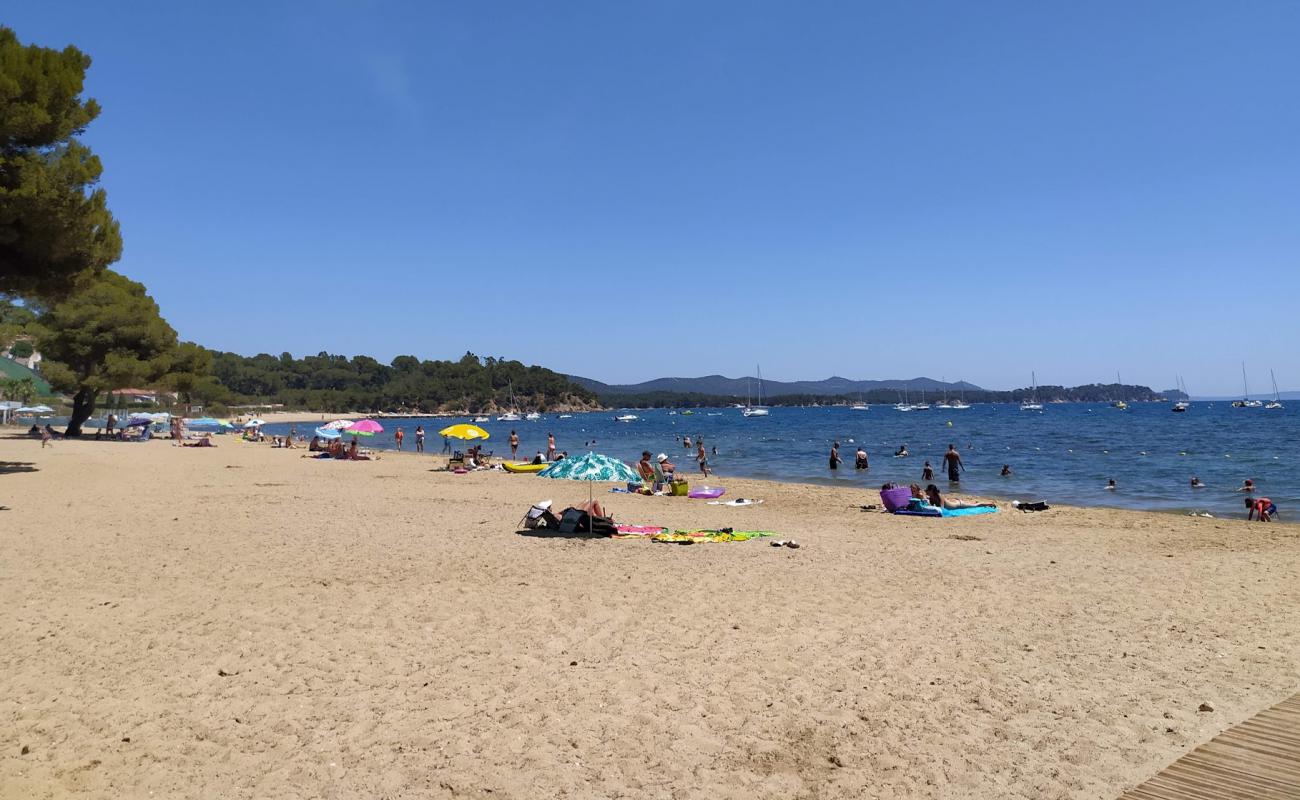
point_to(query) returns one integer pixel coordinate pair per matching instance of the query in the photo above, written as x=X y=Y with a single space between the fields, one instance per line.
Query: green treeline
x=335 y=382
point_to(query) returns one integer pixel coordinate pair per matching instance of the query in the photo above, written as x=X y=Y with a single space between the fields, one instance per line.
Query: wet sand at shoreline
x=261 y=625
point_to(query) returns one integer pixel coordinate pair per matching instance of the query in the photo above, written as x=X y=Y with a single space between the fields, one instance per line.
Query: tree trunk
x=83 y=406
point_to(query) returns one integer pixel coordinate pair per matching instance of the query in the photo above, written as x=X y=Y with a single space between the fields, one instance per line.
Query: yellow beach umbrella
x=464 y=432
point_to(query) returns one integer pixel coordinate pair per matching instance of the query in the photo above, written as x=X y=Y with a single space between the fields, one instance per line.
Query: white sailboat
x=945 y=404
x=860 y=406
x=513 y=414
x=1033 y=404
x=1182 y=405
x=1276 y=402
x=758 y=410
x=961 y=405
x=903 y=405
x=921 y=406
x=1245 y=401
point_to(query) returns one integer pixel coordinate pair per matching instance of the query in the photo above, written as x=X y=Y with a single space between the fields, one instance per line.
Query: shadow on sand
x=9 y=467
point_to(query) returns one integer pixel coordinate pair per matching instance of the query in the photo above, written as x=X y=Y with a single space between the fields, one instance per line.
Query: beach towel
x=636 y=531
x=924 y=510
x=739 y=501
x=709 y=535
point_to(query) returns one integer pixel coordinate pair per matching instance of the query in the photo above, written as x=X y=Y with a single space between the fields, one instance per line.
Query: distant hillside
x=739 y=388
x=12 y=369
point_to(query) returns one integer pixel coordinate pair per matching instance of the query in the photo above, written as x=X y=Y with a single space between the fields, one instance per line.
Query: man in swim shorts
x=952 y=460
x=1260 y=507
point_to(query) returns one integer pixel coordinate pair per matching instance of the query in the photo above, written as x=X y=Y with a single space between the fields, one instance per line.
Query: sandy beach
x=241 y=622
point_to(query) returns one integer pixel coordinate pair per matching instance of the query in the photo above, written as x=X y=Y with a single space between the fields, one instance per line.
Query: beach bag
x=1037 y=505
x=575 y=520
x=540 y=516
x=896 y=498
x=680 y=488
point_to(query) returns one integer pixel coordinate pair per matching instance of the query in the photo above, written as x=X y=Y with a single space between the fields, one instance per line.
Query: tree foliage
x=106 y=335
x=326 y=381
x=53 y=223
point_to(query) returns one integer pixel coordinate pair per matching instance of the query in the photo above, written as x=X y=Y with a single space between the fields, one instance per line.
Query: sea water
x=1064 y=454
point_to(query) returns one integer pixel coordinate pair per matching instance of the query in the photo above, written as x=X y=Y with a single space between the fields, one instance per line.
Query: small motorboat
x=626 y=418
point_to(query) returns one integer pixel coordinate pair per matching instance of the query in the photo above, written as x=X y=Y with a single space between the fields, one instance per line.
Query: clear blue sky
x=872 y=190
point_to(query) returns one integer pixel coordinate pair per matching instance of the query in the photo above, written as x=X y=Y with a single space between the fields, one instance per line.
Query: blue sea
x=1064 y=454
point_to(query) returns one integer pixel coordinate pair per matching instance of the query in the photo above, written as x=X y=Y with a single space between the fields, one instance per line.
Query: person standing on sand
x=419 y=438
x=703 y=458
x=952 y=460
x=446 y=445
x=514 y=445
x=550 y=447
x=835 y=456
x=397 y=437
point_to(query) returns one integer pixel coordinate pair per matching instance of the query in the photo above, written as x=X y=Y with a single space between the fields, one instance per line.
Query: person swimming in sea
x=1196 y=483
x=1247 y=486
x=1110 y=485
x=927 y=472
x=1006 y=470
x=901 y=452
x=860 y=459
x=835 y=456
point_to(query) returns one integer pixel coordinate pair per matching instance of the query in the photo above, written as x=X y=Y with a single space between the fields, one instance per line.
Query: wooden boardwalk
x=1256 y=760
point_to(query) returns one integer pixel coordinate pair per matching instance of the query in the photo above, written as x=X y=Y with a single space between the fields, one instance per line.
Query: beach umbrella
x=327 y=433
x=364 y=427
x=593 y=468
x=254 y=423
x=467 y=432
x=336 y=425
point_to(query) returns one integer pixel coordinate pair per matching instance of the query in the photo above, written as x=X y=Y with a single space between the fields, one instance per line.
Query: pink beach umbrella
x=364 y=427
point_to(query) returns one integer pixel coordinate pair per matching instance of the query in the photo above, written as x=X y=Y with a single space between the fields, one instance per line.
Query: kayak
x=509 y=467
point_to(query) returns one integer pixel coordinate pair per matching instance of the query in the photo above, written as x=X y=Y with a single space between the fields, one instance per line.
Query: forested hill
x=722 y=386
x=335 y=382
x=660 y=394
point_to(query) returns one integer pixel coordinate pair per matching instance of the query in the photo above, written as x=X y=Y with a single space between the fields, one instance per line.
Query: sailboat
x=1245 y=401
x=1033 y=404
x=860 y=406
x=758 y=410
x=1182 y=405
x=513 y=414
x=1120 y=404
x=903 y=405
x=961 y=405
x=945 y=404
x=1276 y=402
x=921 y=406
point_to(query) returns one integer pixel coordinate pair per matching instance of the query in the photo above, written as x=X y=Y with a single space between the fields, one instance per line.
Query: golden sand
x=241 y=622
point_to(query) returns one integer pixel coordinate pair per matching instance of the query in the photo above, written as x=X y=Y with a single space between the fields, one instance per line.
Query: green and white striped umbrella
x=591 y=467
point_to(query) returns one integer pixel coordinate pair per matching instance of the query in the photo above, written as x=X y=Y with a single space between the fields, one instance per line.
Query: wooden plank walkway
x=1256 y=760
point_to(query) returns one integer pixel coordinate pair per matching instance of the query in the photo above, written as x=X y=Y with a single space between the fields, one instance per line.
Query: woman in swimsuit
x=937 y=500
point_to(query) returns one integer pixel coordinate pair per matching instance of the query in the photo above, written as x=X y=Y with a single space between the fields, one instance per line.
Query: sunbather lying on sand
x=937 y=500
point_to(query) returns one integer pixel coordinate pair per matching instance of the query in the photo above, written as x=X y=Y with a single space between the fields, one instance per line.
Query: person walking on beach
x=109 y=424
x=446 y=445
x=550 y=447
x=703 y=458
x=835 y=456
x=952 y=460
x=514 y=445
x=398 y=437
x=419 y=438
